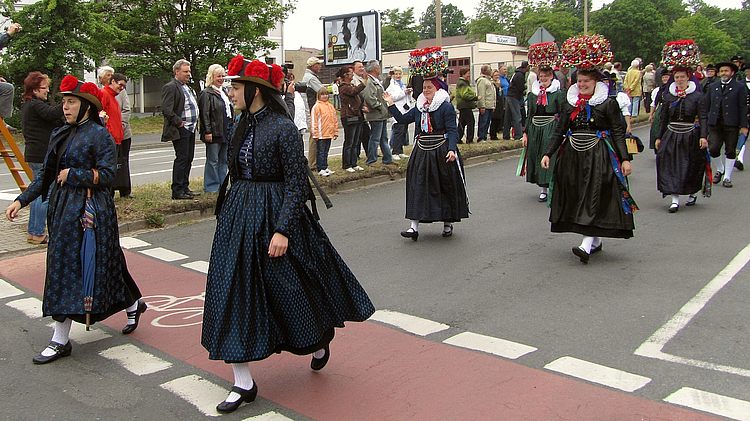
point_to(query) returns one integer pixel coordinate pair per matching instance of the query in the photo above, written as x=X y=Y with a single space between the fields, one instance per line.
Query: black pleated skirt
x=680 y=162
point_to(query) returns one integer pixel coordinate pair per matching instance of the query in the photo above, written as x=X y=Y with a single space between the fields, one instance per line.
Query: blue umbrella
x=88 y=257
x=741 y=141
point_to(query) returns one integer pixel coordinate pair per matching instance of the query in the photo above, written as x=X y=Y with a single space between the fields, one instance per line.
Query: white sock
x=741 y=155
x=586 y=244
x=729 y=168
x=675 y=199
x=319 y=354
x=447 y=226
x=61 y=335
x=718 y=164
x=242 y=379
x=597 y=242
x=544 y=190
x=131 y=309
x=415 y=225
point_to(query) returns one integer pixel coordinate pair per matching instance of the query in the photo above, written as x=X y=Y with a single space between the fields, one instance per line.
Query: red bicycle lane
x=375 y=373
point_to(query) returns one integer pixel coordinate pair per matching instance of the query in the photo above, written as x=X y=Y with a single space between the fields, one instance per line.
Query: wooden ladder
x=13 y=157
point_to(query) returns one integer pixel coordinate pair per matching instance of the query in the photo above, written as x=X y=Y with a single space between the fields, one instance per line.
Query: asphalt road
x=504 y=275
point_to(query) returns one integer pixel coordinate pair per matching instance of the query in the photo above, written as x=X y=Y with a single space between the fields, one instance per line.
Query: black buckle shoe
x=582 y=255
x=59 y=349
x=739 y=165
x=717 y=177
x=542 y=197
x=245 y=396
x=318 y=363
x=596 y=249
x=673 y=208
x=691 y=200
x=134 y=315
x=449 y=231
x=410 y=233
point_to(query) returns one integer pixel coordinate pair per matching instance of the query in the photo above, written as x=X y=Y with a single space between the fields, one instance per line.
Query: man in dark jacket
x=709 y=79
x=180 y=110
x=726 y=102
x=514 y=102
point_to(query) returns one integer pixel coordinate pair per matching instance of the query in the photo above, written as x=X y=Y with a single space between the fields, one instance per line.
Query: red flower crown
x=681 y=53
x=586 y=52
x=270 y=75
x=544 y=54
x=428 y=61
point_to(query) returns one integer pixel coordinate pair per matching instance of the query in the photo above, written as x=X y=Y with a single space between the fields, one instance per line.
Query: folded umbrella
x=88 y=256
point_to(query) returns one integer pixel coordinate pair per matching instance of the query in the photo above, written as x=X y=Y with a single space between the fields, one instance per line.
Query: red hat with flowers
x=683 y=53
x=586 y=52
x=428 y=62
x=70 y=85
x=544 y=54
x=242 y=69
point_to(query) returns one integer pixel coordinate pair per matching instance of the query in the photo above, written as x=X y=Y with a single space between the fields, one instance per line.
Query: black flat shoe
x=739 y=165
x=245 y=396
x=60 y=351
x=134 y=315
x=449 y=232
x=410 y=233
x=318 y=363
x=717 y=177
x=542 y=197
x=581 y=253
x=691 y=200
x=596 y=249
x=182 y=196
x=673 y=208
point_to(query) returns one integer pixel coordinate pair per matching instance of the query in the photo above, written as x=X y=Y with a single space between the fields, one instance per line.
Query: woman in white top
x=403 y=101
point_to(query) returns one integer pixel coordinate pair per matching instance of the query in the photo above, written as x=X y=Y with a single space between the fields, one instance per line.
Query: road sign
x=541 y=35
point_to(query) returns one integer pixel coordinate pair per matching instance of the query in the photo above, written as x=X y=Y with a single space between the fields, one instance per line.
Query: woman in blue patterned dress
x=80 y=162
x=275 y=282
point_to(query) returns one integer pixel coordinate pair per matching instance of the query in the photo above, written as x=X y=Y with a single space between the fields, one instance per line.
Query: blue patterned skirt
x=257 y=305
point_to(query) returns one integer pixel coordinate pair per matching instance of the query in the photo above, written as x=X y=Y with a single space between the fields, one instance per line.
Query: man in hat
x=515 y=99
x=180 y=110
x=312 y=86
x=726 y=102
x=740 y=63
x=710 y=77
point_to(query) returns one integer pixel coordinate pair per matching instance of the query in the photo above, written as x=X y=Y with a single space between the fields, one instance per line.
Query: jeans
x=635 y=106
x=399 y=135
x=364 y=138
x=513 y=118
x=466 y=119
x=484 y=124
x=184 y=150
x=350 y=150
x=378 y=136
x=324 y=145
x=216 y=166
x=37 y=208
x=6 y=99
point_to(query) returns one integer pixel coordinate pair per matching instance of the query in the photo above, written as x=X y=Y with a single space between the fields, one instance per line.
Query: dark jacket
x=707 y=81
x=728 y=108
x=38 y=119
x=351 y=100
x=517 y=85
x=683 y=111
x=443 y=121
x=212 y=112
x=172 y=106
x=4 y=40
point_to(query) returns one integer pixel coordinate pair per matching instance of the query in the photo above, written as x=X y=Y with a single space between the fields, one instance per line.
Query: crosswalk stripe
x=198 y=265
x=199 y=392
x=489 y=344
x=164 y=254
x=132 y=242
x=600 y=374
x=7 y=290
x=80 y=335
x=269 y=416
x=31 y=307
x=711 y=402
x=135 y=360
x=409 y=323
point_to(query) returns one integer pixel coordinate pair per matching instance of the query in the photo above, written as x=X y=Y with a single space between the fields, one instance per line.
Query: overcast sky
x=304 y=29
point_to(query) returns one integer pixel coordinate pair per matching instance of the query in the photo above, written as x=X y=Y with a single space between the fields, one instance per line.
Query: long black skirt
x=257 y=305
x=435 y=189
x=587 y=198
x=680 y=162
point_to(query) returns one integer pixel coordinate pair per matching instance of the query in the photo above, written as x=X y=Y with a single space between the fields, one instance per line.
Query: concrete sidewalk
x=13 y=234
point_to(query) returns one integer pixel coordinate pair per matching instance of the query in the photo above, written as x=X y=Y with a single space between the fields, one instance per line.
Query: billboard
x=351 y=37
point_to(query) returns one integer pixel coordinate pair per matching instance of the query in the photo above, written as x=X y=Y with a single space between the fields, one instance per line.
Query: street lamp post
x=438 y=23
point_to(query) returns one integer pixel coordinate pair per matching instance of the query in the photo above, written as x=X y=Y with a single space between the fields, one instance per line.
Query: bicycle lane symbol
x=178 y=311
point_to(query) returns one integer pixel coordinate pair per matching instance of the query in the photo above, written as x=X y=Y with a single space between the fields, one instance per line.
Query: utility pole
x=438 y=23
x=585 y=17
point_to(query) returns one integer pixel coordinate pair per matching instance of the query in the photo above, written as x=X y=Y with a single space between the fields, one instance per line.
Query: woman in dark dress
x=275 y=281
x=654 y=117
x=77 y=175
x=435 y=184
x=680 y=143
x=591 y=197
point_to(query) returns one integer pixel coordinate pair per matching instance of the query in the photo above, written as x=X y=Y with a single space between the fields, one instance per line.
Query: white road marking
x=269 y=416
x=710 y=402
x=8 y=196
x=412 y=324
x=164 y=254
x=198 y=265
x=489 y=344
x=132 y=242
x=135 y=360
x=80 y=335
x=596 y=373
x=199 y=392
x=7 y=290
x=31 y=307
x=653 y=346
x=10 y=190
x=163 y=171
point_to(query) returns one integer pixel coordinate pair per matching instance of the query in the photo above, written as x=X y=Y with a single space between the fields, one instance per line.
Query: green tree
x=617 y=21
x=715 y=44
x=453 y=21
x=398 y=30
x=495 y=17
x=573 y=6
x=670 y=9
x=202 y=32
x=560 y=22
x=59 y=37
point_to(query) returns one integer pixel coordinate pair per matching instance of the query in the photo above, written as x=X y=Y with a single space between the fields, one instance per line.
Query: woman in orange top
x=325 y=126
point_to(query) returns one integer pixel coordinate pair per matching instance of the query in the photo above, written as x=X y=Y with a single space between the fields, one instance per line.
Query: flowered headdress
x=586 y=52
x=70 y=85
x=544 y=54
x=681 y=54
x=428 y=62
x=242 y=69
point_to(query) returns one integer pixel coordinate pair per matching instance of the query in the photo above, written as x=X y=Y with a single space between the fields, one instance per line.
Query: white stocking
x=741 y=155
x=586 y=244
x=61 y=335
x=675 y=199
x=718 y=164
x=415 y=225
x=729 y=168
x=242 y=379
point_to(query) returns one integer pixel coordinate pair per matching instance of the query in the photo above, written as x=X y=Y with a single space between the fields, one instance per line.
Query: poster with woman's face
x=351 y=37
